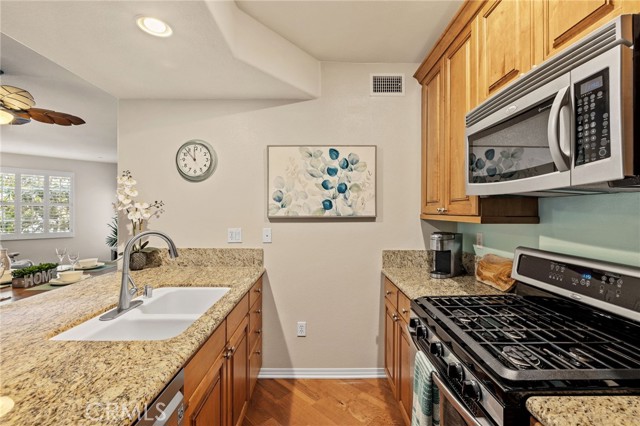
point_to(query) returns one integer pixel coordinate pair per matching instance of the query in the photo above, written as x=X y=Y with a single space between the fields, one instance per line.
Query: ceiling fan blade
x=54 y=117
x=16 y=98
x=38 y=116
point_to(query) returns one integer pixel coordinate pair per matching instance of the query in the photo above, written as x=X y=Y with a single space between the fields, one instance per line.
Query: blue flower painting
x=322 y=181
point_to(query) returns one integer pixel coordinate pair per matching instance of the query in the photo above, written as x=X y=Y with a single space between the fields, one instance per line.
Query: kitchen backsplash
x=239 y=257
x=604 y=227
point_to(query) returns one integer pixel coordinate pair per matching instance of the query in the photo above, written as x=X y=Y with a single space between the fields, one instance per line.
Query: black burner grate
x=533 y=338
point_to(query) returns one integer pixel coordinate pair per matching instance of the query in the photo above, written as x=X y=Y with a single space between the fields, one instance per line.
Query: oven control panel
x=616 y=288
x=593 y=133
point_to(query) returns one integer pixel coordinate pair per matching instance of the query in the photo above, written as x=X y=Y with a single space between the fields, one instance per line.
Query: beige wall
x=95 y=185
x=324 y=272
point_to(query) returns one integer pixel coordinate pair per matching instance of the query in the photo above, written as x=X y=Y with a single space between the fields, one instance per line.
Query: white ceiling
x=100 y=42
x=357 y=31
x=211 y=55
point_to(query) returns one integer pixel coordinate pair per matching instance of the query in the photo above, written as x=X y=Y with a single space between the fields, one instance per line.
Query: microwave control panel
x=593 y=132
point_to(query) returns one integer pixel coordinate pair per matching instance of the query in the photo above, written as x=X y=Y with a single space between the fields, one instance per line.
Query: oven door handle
x=559 y=130
x=452 y=399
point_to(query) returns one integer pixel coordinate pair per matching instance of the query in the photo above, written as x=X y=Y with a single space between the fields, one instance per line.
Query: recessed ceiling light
x=154 y=26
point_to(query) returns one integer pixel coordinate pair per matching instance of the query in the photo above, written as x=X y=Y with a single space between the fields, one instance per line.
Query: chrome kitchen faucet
x=126 y=294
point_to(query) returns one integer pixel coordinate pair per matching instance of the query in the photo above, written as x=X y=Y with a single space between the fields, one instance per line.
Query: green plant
x=20 y=273
x=112 y=238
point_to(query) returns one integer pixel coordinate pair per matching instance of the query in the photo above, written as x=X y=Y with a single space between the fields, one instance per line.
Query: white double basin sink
x=168 y=313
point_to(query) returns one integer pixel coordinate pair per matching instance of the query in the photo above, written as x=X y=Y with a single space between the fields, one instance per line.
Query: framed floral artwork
x=321 y=181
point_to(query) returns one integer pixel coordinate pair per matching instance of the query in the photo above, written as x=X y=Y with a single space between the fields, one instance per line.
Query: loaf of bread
x=495 y=271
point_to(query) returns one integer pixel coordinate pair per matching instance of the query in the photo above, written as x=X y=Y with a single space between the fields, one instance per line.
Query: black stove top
x=572 y=327
x=540 y=338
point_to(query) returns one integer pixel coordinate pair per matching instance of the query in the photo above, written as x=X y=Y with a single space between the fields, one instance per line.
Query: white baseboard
x=321 y=373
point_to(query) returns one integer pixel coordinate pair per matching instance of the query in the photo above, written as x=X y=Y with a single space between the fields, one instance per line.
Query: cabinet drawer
x=255 y=314
x=203 y=360
x=391 y=293
x=256 y=331
x=255 y=293
x=404 y=307
x=237 y=315
x=255 y=363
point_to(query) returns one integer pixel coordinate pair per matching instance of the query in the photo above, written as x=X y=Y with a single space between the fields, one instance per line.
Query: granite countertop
x=71 y=382
x=585 y=410
x=409 y=271
x=417 y=282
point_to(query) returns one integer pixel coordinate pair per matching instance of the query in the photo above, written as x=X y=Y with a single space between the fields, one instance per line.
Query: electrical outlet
x=479 y=239
x=266 y=235
x=234 y=235
x=302 y=328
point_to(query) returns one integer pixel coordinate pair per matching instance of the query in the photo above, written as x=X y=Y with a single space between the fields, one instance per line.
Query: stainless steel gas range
x=572 y=327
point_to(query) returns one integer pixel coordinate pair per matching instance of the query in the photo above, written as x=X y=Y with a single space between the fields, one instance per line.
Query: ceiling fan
x=16 y=107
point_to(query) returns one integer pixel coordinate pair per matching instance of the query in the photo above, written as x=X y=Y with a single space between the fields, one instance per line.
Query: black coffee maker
x=447 y=254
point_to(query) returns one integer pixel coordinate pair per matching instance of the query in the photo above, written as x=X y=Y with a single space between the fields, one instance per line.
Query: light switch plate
x=234 y=235
x=266 y=235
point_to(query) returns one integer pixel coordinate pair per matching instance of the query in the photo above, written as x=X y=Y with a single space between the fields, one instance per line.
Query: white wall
x=95 y=185
x=324 y=272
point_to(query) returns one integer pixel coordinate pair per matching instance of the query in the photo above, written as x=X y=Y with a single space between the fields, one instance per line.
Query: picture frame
x=321 y=181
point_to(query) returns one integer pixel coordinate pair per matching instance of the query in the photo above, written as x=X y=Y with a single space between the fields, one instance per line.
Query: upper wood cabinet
x=505 y=43
x=448 y=91
x=567 y=21
x=433 y=160
x=487 y=45
x=460 y=97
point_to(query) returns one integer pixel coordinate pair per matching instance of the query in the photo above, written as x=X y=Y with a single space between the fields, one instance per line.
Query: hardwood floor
x=306 y=402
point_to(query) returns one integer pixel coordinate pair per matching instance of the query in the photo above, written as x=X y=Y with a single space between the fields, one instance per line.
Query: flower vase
x=137 y=261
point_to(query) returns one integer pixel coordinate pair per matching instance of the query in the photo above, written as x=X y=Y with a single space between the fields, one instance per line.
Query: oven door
x=525 y=146
x=452 y=411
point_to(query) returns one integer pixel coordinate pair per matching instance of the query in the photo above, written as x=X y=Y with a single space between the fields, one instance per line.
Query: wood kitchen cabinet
x=220 y=377
x=486 y=46
x=505 y=43
x=566 y=22
x=398 y=353
x=255 y=335
x=448 y=92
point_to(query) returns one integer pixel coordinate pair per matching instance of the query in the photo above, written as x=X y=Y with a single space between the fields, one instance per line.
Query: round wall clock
x=196 y=160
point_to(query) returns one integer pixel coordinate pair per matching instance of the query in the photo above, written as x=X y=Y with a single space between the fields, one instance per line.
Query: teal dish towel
x=426 y=397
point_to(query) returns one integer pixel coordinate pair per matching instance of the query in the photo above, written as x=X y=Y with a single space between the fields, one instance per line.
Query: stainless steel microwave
x=568 y=126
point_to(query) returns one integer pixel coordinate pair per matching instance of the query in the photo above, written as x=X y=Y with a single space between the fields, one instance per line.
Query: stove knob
x=421 y=332
x=471 y=389
x=414 y=322
x=436 y=349
x=455 y=371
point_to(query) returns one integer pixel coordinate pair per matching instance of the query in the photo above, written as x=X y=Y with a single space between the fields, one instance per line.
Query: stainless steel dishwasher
x=168 y=408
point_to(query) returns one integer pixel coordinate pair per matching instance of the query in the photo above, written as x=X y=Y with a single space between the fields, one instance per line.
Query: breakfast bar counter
x=47 y=382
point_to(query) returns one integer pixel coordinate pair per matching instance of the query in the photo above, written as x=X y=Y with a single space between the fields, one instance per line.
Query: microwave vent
x=387 y=84
x=614 y=34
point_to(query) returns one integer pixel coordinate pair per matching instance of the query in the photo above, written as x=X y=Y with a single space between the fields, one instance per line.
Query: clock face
x=196 y=160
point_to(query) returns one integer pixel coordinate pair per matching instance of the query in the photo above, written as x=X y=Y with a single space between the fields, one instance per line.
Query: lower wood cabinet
x=398 y=349
x=220 y=377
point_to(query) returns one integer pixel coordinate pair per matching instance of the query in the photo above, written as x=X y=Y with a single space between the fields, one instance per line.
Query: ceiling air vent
x=387 y=84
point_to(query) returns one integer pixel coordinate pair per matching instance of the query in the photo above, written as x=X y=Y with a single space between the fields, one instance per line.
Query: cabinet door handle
x=394 y=317
x=404 y=311
x=258 y=290
x=258 y=331
x=388 y=292
x=258 y=311
x=258 y=352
